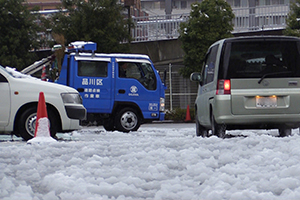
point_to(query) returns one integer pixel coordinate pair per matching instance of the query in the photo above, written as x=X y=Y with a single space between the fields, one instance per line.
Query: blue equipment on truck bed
x=121 y=91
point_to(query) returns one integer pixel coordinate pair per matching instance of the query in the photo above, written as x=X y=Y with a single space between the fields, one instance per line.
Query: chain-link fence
x=180 y=92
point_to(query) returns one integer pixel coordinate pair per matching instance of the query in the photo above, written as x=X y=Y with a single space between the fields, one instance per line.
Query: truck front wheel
x=27 y=121
x=127 y=120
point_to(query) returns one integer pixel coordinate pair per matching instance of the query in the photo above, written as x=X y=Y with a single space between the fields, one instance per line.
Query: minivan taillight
x=223 y=87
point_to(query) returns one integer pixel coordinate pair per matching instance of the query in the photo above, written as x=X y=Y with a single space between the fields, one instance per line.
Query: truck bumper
x=162 y=116
x=76 y=111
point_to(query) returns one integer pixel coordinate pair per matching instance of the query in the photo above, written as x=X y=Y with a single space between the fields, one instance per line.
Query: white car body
x=18 y=91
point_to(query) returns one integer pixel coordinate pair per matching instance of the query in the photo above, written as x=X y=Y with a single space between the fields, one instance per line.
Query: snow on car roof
x=17 y=74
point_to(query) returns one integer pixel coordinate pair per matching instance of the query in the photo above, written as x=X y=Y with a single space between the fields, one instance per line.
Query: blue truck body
x=119 y=103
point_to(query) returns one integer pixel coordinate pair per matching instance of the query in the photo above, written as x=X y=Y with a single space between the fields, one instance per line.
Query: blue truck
x=121 y=91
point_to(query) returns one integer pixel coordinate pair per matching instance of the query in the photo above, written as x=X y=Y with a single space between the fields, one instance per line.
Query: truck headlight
x=162 y=104
x=71 y=98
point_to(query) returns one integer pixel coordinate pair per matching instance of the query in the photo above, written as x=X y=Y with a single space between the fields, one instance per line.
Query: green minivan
x=249 y=83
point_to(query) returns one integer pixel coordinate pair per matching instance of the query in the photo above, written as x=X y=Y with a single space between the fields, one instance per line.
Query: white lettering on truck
x=153 y=107
x=91 y=81
x=133 y=90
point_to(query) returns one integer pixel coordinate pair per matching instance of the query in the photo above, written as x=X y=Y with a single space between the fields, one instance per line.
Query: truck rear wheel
x=127 y=120
x=27 y=121
x=108 y=124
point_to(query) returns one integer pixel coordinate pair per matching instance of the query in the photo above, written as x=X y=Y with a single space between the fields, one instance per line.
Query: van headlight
x=71 y=98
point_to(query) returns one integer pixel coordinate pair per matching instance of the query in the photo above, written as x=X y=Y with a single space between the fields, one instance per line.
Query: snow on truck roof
x=88 y=48
x=115 y=55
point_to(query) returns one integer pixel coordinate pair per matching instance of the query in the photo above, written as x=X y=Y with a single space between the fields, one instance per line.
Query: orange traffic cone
x=44 y=76
x=188 y=115
x=42 y=130
x=42 y=122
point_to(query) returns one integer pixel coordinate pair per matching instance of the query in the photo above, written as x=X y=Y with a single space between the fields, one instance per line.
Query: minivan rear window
x=254 y=59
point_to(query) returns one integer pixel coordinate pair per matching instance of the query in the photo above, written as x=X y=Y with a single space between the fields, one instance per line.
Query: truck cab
x=121 y=91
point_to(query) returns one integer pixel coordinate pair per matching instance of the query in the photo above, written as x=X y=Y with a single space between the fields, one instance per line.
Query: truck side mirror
x=195 y=77
x=165 y=77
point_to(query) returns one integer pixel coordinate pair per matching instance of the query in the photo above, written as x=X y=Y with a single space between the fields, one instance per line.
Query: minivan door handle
x=121 y=91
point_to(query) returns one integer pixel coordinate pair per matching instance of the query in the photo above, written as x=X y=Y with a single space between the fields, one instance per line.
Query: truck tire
x=127 y=120
x=108 y=124
x=27 y=120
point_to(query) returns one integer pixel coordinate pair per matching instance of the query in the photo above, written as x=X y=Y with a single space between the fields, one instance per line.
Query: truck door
x=136 y=82
x=93 y=81
x=4 y=101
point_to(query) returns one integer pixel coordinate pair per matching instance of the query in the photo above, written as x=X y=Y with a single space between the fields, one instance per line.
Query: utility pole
x=168 y=10
x=252 y=22
x=127 y=5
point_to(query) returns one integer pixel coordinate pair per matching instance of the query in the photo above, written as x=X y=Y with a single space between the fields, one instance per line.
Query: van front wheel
x=127 y=120
x=27 y=121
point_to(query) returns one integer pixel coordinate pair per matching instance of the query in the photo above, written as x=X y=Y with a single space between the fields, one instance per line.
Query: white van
x=19 y=99
x=249 y=83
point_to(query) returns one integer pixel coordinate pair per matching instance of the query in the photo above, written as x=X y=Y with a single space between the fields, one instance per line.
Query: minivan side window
x=209 y=65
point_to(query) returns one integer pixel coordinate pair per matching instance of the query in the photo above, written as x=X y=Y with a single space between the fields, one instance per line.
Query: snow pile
x=157 y=162
x=42 y=132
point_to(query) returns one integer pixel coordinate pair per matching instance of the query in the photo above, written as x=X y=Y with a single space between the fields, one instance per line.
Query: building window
x=237 y=3
x=183 y=4
x=162 y=5
x=230 y=2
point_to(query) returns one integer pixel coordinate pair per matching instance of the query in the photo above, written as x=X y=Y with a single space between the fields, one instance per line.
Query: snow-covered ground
x=160 y=161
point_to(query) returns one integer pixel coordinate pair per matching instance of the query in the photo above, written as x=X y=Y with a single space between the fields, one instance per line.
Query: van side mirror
x=195 y=77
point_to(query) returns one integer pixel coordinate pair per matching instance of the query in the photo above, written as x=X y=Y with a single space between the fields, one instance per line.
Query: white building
x=250 y=15
x=157 y=7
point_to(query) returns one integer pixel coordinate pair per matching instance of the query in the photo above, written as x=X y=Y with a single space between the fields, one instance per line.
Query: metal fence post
x=170 y=83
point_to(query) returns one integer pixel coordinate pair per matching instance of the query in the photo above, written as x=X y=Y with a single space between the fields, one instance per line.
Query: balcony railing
x=260 y=18
x=163 y=27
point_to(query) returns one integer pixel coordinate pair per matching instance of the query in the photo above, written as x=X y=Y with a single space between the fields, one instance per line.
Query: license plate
x=266 y=102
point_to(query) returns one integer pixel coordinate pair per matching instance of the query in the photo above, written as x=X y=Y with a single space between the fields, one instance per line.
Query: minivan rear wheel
x=284 y=132
x=217 y=129
x=200 y=130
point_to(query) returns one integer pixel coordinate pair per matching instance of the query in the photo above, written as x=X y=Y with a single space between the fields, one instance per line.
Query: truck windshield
x=260 y=59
